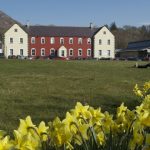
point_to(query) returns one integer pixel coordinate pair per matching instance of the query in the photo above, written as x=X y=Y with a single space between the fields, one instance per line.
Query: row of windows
x=52 y=52
x=11 y=52
x=11 y=40
x=108 y=42
x=100 y=53
x=52 y=40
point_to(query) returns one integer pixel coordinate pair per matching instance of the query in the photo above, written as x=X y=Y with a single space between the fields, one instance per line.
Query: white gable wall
x=16 y=45
x=104 y=46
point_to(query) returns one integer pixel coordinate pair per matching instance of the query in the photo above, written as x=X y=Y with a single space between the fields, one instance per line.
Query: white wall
x=104 y=46
x=62 y=48
x=16 y=45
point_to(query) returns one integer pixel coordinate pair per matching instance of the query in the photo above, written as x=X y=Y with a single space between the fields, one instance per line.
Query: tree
x=113 y=26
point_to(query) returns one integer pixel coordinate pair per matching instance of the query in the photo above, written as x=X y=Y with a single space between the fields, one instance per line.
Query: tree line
x=124 y=35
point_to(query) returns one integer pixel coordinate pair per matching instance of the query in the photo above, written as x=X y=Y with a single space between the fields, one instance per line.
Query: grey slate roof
x=138 y=46
x=58 y=31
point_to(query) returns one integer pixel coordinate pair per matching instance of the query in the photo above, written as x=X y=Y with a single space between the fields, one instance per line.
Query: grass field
x=45 y=89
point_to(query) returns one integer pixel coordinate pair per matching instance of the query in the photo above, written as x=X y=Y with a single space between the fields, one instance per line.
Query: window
x=61 y=40
x=21 y=40
x=52 y=52
x=70 y=52
x=89 y=41
x=100 y=42
x=104 y=32
x=108 y=42
x=52 y=40
x=33 y=40
x=33 y=52
x=21 y=52
x=11 y=40
x=11 y=52
x=79 y=52
x=15 y=30
x=62 y=53
x=108 y=52
x=100 y=52
x=79 y=40
x=42 y=52
x=70 y=40
x=42 y=40
x=88 y=52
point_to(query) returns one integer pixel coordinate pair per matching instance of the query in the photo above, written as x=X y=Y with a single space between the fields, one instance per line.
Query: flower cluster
x=87 y=128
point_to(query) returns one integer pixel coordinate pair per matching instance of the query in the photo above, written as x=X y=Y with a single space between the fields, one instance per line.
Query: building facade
x=104 y=44
x=70 y=42
x=136 y=50
x=15 y=42
x=59 y=42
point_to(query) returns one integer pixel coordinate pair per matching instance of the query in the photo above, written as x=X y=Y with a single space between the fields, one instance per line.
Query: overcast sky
x=78 y=12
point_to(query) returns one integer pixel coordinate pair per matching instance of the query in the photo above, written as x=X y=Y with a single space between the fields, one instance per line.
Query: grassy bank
x=45 y=89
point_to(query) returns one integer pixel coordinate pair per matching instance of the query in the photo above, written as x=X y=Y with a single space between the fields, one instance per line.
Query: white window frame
x=52 y=49
x=88 y=52
x=100 y=41
x=21 y=40
x=52 y=40
x=11 y=52
x=20 y=52
x=100 y=52
x=70 y=51
x=62 y=41
x=108 y=42
x=80 y=40
x=108 y=52
x=62 y=52
x=32 y=40
x=79 y=52
x=70 y=40
x=42 y=40
x=11 y=40
x=42 y=50
x=32 y=52
x=89 y=41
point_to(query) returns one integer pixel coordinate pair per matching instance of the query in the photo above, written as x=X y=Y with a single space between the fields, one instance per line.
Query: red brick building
x=64 y=42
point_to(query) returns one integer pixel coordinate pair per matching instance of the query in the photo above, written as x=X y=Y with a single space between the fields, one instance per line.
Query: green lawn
x=45 y=89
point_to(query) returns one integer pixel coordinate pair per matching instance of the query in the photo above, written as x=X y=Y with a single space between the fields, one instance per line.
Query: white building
x=104 y=44
x=15 y=42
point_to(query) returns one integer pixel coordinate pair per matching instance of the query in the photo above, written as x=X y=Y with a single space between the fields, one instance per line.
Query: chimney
x=91 y=25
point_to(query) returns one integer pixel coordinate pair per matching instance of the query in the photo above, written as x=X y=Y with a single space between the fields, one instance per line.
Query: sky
x=78 y=12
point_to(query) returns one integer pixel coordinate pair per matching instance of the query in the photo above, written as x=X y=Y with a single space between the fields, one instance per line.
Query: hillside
x=5 y=22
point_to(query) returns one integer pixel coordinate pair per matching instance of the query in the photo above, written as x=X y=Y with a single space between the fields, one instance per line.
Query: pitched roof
x=139 y=44
x=62 y=31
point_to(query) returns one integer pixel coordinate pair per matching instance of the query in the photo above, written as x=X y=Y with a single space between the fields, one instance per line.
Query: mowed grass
x=45 y=89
